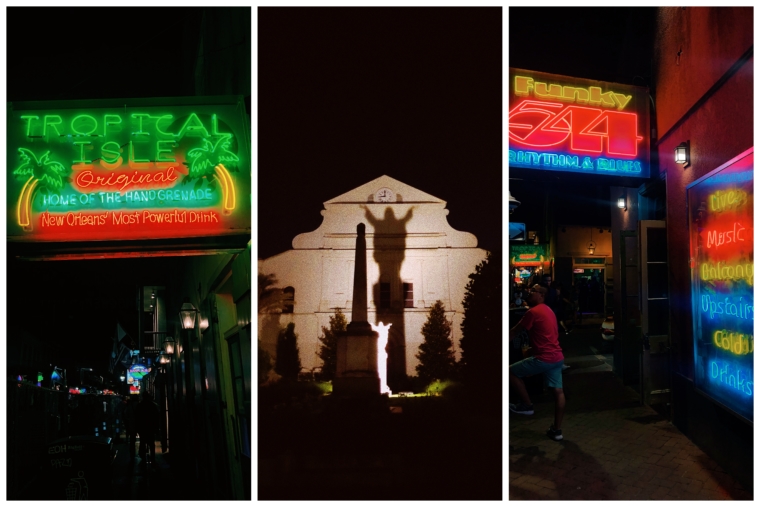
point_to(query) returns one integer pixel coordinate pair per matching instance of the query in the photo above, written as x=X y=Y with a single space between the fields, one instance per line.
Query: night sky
x=346 y=95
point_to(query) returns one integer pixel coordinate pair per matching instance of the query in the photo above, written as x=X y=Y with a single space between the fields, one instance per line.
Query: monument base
x=356 y=372
x=356 y=387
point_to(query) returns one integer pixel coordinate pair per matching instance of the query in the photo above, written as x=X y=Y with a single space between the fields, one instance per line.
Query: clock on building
x=385 y=195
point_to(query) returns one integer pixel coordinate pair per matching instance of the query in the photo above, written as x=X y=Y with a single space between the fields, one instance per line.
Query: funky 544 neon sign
x=128 y=169
x=578 y=125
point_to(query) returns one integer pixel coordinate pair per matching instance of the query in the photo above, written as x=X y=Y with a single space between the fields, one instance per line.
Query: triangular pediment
x=366 y=192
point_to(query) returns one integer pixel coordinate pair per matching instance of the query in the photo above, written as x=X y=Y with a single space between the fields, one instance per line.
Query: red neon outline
x=604 y=117
x=551 y=125
x=570 y=110
x=526 y=107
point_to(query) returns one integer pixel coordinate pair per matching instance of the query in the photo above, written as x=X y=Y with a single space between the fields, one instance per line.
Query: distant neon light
x=382 y=355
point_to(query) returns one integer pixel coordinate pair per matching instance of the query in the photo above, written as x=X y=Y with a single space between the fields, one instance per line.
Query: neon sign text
x=720 y=271
x=573 y=162
x=737 y=343
x=87 y=179
x=717 y=307
x=592 y=95
x=731 y=376
x=715 y=238
x=543 y=124
x=721 y=201
x=90 y=199
x=118 y=218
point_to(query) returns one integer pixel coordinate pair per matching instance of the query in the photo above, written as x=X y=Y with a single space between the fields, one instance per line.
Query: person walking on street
x=541 y=324
x=130 y=426
x=147 y=417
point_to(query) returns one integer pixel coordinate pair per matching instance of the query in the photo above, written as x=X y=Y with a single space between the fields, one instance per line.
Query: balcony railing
x=152 y=342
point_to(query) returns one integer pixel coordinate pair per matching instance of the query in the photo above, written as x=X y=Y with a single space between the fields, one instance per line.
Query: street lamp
x=187 y=314
x=168 y=345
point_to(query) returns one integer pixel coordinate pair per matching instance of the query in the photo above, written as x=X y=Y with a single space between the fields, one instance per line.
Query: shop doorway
x=655 y=321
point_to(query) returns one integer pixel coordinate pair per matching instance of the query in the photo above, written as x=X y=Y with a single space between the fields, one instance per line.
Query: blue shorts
x=533 y=366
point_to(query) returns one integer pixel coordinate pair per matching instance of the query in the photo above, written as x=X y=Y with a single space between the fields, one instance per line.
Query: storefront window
x=722 y=270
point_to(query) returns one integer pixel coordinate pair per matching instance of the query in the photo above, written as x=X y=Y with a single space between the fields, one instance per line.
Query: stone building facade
x=414 y=258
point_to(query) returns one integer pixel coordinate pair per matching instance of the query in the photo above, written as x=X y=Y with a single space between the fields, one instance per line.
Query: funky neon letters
x=592 y=95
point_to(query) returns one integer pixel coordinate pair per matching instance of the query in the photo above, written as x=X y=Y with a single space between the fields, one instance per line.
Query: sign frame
x=714 y=361
x=583 y=126
x=204 y=203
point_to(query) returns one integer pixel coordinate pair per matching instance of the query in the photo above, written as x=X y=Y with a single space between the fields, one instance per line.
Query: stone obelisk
x=356 y=373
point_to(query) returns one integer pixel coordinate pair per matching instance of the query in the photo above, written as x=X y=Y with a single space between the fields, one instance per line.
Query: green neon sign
x=145 y=169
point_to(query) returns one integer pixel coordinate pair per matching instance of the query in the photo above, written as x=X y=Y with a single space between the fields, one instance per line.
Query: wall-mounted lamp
x=622 y=204
x=682 y=154
x=592 y=245
x=168 y=345
x=513 y=203
x=187 y=314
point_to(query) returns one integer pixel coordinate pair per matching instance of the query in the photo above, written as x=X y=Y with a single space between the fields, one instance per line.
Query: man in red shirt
x=541 y=324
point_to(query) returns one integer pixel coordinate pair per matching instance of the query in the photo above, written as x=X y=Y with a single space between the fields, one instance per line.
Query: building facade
x=704 y=86
x=416 y=259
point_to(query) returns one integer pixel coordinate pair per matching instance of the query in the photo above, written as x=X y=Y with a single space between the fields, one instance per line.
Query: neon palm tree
x=208 y=162
x=40 y=170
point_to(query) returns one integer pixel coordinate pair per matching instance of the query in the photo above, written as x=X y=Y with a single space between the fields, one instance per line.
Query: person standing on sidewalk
x=147 y=419
x=130 y=425
x=541 y=324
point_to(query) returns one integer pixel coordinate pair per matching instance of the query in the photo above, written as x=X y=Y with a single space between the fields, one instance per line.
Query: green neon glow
x=85 y=116
x=158 y=127
x=106 y=123
x=132 y=155
x=29 y=123
x=82 y=160
x=193 y=129
x=116 y=152
x=215 y=127
x=140 y=117
x=160 y=150
x=52 y=124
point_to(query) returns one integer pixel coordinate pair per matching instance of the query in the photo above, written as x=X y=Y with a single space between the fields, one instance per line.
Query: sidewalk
x=133 y=480
x=613 y=449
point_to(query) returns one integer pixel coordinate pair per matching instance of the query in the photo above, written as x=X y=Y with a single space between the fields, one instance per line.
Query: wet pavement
x=614 y=448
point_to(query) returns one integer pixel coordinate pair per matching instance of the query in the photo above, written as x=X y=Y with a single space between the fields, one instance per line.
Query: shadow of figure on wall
x=389 y=250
